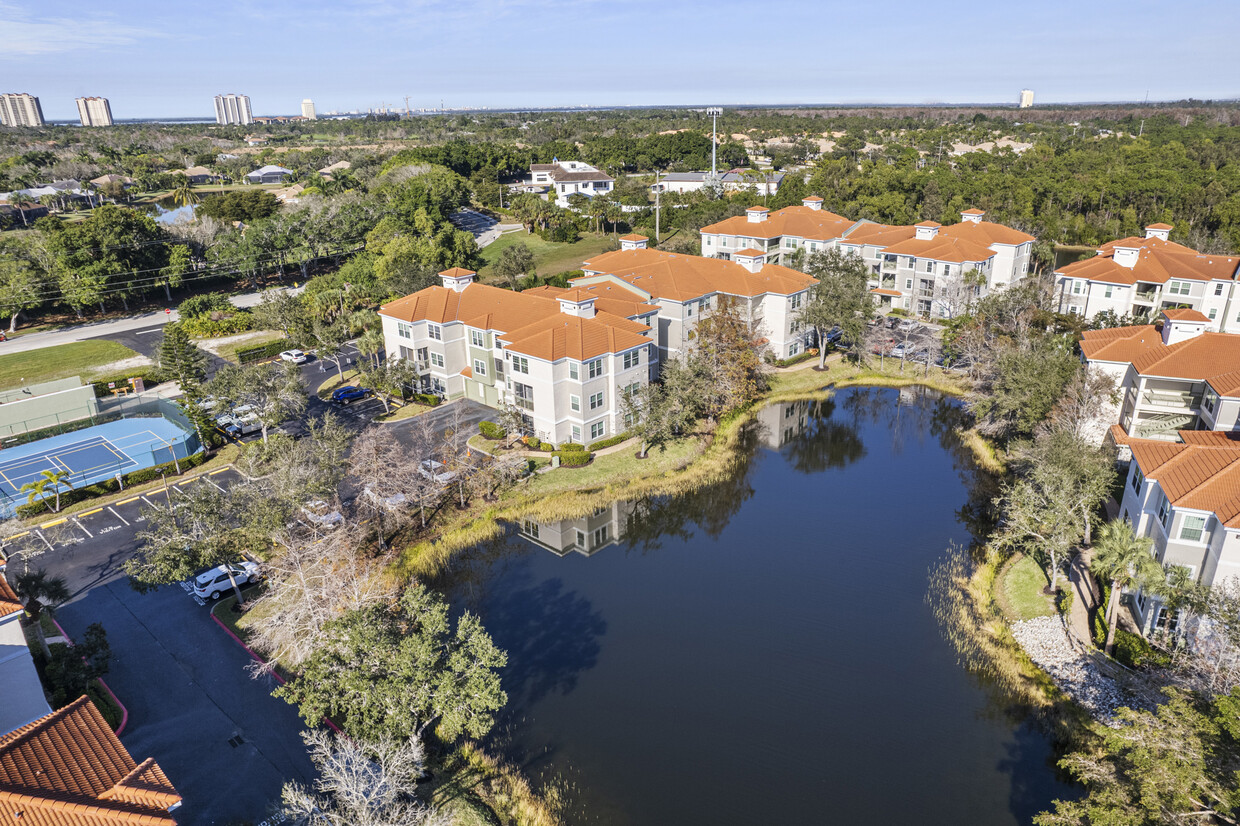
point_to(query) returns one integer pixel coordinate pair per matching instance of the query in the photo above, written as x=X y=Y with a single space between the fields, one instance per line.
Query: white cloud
x=25 y=35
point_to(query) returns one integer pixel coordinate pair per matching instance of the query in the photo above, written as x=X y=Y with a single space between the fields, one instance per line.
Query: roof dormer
x=1181 y=325
x=973 y=216
x=813 y=202
x=578 y=303
x=927 y=230
x=458 y=278
x=633 y=242
x=1125 y=256
x=1160 y=231
x=751 y=259
x=756 y=214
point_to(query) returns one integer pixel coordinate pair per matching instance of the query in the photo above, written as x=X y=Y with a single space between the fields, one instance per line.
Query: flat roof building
x=233 y=109
x=20 y=109
x=94 y=111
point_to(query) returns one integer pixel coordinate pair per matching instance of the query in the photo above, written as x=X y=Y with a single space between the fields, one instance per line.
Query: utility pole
x=658 y=191
x=407 y=106
x=714 y=113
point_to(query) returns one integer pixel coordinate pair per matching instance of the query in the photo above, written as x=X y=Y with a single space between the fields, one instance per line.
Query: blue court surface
x=92 y=455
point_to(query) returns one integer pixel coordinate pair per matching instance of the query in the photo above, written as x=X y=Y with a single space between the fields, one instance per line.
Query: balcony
x=1176 y=400
x=1146 y=296
x=889 y=266
x=888 y=283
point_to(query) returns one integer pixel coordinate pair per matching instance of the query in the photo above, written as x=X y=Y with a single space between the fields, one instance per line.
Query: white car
x=295 y=356
x=215 y=583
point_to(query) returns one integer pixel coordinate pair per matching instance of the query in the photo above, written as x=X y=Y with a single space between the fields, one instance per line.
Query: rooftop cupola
x=756 y=214
x=458 y=278
x=1126 y=256
x=1160 y=231
x=751 y=259
x=927 y=230
x=813 y=202
x=578 y=303
x=973 y=216
x=633 y=242
x=1180 y=325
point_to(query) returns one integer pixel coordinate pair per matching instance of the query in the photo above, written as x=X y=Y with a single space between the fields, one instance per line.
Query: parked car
x=393 y=502
x=295 y=356
x=215 y=583
x=834 y=335
x=349 y=393
x=907 y=325
x=321 y=515
x=436 y=471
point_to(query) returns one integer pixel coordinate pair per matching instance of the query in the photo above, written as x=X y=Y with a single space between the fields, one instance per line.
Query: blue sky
x=168 y=59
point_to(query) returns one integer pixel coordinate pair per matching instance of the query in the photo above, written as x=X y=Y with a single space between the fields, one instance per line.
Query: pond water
x=165 y=211
x=762 y=651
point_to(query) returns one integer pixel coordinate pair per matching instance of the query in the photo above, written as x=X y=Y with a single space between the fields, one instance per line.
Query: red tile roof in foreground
x=796 y=221
x=9 y=603
x=69 y=769
x=687 y=277
x=1201 y=475
x=1186 y=314
x=1158 y=261
x=1210 y=357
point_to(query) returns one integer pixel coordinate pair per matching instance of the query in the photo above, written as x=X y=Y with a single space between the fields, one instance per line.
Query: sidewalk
x=97 y=329
x=1085 y=597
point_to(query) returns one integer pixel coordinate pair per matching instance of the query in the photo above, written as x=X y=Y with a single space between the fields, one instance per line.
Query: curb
x=106 y=687
x=257 y=658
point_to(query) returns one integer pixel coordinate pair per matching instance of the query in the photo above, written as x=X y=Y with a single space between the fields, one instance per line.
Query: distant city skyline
x=169 y=60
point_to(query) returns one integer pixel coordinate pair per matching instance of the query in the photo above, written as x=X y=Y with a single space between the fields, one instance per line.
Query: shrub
x=492 y=431
x=610 y=440
x=197 y=306
x=428 y=399
x=571 y=446
x=1098 y=625
x=1063 y=601
x=263 y=351
x=211 y=326
x=573 y=458
x=1134 y=651
x=797 y=359
x=899 y=311
x=150 y=376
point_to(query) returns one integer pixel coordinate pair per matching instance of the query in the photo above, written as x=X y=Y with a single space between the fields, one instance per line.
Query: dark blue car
x=349 y=393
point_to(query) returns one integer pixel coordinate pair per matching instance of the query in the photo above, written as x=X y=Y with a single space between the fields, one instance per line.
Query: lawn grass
x=78 y=358
x=406 y=411
x=550 y=258
x=1022 y=585
x=337 y=380
x=228 y=351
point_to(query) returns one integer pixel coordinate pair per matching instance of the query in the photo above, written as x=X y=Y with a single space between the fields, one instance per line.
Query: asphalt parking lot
x=224 y=741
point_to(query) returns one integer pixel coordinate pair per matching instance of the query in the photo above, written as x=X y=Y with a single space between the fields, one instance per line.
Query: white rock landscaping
x=1046 y=642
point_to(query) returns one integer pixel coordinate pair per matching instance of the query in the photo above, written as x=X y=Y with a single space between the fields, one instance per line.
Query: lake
x=762 y=651
x=165 y=211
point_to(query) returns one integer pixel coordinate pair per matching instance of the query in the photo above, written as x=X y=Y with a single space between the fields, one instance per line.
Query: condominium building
x=20 y=109
x=759 y=181
x=1139 y=277
x=1026 y=99
x=1179 y=377
x=927 y=269
x=1183 y=495
x=94 y=111
x=233 y=109
x=683 y=287
x=307 y=110
x=570 y=177
x=563 y=359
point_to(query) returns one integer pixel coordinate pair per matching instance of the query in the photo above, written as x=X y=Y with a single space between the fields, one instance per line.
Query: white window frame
x=574 y=403
x=597 y=400
x=480 y=368
x=437 y=360
x=434 y=331
x=573 y=371
x=594 y=368
x=404 y=330
x=477 y=338
x=520 y=364
x=632 y=359
x=1203 y=536
x=598 y=430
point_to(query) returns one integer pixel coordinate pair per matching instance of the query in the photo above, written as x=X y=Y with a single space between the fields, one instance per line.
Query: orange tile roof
x=609 y=298
x=458 y=272
x=885 y=291
x=1208 y=437
x=796 y=221
x=942 y=248
x=928 y=224
x=1160 y=226
x=757 y=209
x=633 y=237
x=686 y=277
x=1210 y=357
x=1199 y=475
x=565 y=336
x=1119 y=343
x=749 y=252
x=9 y=602
x=468 y=372
x=813 y=198
x=478 y=305
x=1158 y=261
x=1186 y=315
x=986 y=232
x=973 y=211
x=1119 y=435
x=879 y=235
x=69 y=769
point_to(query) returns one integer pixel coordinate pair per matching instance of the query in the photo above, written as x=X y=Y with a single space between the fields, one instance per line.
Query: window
x=725 y=241
x=499 y=368
x=600 y=536
x=794 y=348
x=581 y=540
x=1213 y=312
x=1218 y=289
x=577 y=433
x=1107 y=292
x=908 y=283
x=1164 y=511
x=947 y=269
x=597 y=430
x=1208 y=399
x=910 y=261
x=574 y=402
x=478 y=338
x=596 y=401
x=423 y=354
x=1078 y=287
x=480 y=368
x=524 y=395
x=573 y=372
x=797 y=299
x=434 y=331
x=1192 y=528
x=632 y=359
x=520 y=364
x=404 y=330
x=631 y=389
x=529 y=528
x=929 y=266
x=1178 y=287
x=594 y=368
x=1138 y=478
x=437 y=360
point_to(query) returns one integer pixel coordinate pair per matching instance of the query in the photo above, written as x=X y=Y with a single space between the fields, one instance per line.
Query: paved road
x=486 y=230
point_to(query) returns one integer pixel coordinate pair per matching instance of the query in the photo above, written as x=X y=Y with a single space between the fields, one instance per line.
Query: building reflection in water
x=587 y=535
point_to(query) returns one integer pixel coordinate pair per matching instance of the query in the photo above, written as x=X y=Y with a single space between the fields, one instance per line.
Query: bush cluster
x=428 y=399
x=202 y=306
x=208 y=326
x=573 y=458
x=610 y=441
x=263 y=351
x=492 y=431
x=150 y=376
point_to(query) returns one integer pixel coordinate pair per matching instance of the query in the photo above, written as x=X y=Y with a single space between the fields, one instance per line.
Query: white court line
x=149 y=502
x=212 y=481
x=78 y=522
x=118 y=516
x=49 y=545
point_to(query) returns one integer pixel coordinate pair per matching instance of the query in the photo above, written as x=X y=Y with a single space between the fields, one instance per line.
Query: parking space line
x=148 y=501
x=90 y=513
x=117 y=515
x=130 y=499
x=212 y=483
x=220 y=470
x=83 y=527
x=49 y=545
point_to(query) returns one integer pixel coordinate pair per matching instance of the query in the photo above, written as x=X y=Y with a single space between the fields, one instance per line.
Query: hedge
x=811 y=353
x=492 y=431
x=428 y=399
x=263 y=351
x=150 y=376
x=573 y=458
x=207 y=327
x=138 y=477
x=611 y=440
x=570 y=446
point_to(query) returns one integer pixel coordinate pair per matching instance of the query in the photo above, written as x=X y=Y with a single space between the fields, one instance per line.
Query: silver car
x=215 y=583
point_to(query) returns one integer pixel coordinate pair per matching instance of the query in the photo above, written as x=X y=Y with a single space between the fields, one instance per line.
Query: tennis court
x=92 y=455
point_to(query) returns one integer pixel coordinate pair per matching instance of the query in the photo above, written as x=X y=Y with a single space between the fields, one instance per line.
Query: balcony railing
x=1147 y=297
x=889 y=266
x=1180 y=400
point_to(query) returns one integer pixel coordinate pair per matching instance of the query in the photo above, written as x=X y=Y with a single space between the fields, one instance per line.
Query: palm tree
x=38 y=487
x=613 y=215
x=370 y=345
x=1124 y=558
x=184 y=194
x=41 y=592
